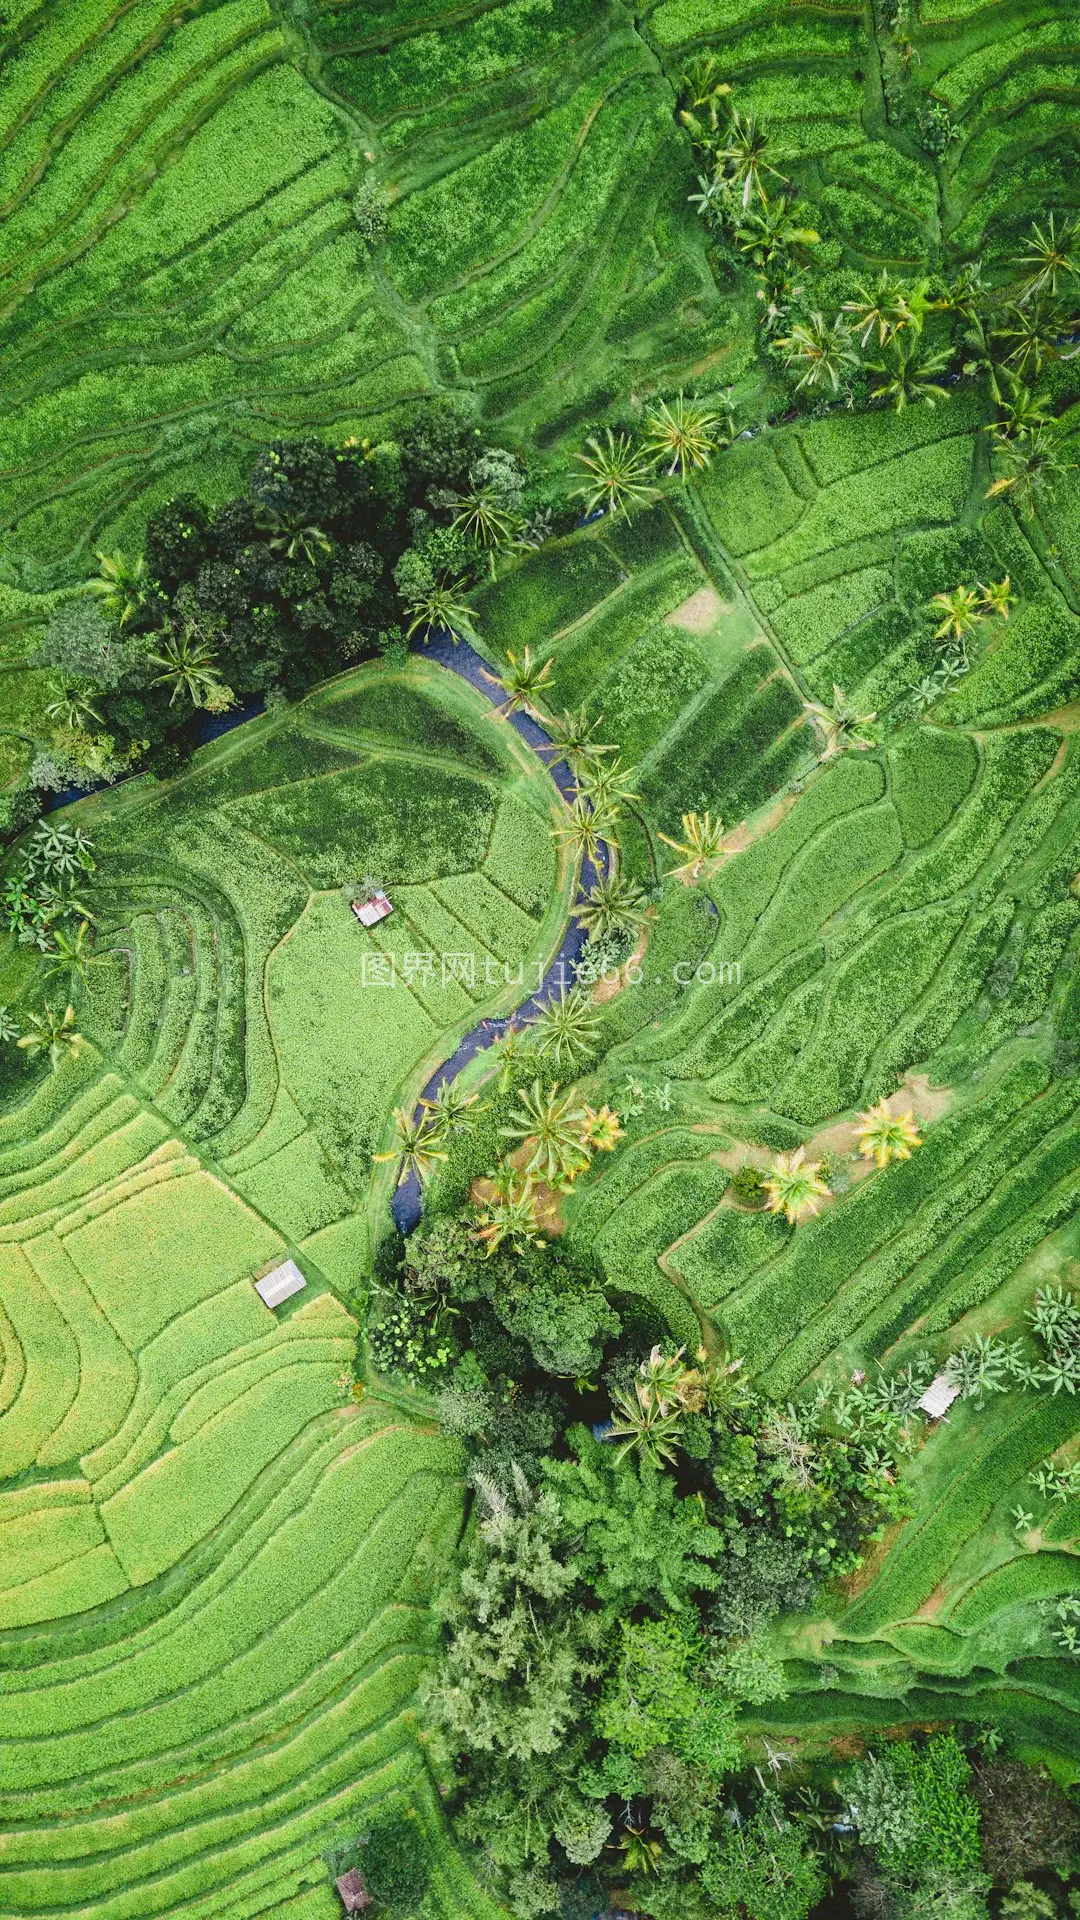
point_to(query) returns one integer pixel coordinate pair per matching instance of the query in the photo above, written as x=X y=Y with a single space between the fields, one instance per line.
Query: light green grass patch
x=149 y=1259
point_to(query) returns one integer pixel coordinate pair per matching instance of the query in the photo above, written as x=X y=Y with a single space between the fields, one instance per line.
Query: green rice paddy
x=216 y=1564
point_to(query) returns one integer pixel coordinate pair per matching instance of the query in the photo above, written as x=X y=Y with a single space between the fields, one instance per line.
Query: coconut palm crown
x=550 y=1129
x=703 y=840
x=883 y=1136
x=567 y=1029
x=795 y=1187
x=417 y=1144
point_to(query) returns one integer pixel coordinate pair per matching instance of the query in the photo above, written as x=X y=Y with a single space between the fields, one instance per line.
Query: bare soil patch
x=605 y=990
x=700 y=612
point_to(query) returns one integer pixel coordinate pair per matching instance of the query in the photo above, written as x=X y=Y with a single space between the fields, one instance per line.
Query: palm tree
x=997 y=596
x=607 y=787
x=505 y=1049
x=822 y=349
x=452 y=1109
x=703 y=89
x=73 y=954
x=1036 y=330
x=510 y=1214
x=298 y=539
x=572 y=737
x=601 y=1130
x=613 y=906
x=984 y=356
x=53 y=1033
x=437 y=611
x=620 y=474
x=882 y=309
x=967 y=290
x=187 y=666
x=9 y=1026
x=1032 y=463
x=551 y=1130
x=742 y=160
x=523 y=680
x=1020 y=412
x=840 y=724
x=417 y=1143
x=962 y=613
x=794 y=1189
x=645 y=1423
x=883 y=1137
x=121 y=584
x=1051 y=255
x=585 y=830
x=907 y=376
x=769 y=235
x=73 y=708
x=567 y=1029
x=484 y=517
x=682 y=437
x=703 y=840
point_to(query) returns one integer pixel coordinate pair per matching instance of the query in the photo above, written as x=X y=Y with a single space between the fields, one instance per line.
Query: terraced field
x=206 y=1673
x=187 y=276
x=243 y=999
x=899 y=915
x=231 y=220
x=216 y=1564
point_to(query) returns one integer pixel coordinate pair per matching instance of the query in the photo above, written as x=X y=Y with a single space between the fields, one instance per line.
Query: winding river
x=459 y=657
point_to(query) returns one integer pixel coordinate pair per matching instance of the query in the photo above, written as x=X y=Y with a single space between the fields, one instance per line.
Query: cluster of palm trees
x=1008 y=337
x=796 y=1186
x=959 y=614
x=619 y=471
x=557 y=1137
x=42 y=905
x=603 y=788
x=679 y=437
x=648 y=1414
x=184 y=652
x=1009 y=334
x=486 y=516
x=553 y=1136
x=733 y=189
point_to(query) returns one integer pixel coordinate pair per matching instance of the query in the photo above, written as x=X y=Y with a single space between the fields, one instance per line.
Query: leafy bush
x=394 y=1855
x=914 y=1807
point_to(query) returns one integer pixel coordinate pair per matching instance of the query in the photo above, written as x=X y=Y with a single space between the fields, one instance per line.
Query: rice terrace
x=539 y=922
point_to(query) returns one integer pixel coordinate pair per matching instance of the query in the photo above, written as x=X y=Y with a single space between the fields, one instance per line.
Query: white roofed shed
x=278 y=1286
x=939 y=1397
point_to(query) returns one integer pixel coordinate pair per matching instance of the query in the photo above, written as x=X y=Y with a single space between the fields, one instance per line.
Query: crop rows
x=212 y=1614
x=237 y=963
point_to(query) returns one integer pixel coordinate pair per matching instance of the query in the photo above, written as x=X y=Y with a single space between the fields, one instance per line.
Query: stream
x=459 y=657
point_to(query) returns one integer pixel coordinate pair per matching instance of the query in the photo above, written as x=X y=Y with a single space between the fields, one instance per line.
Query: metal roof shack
x=355 y=1897
x=939 y=1397
x=281 y=1284
x=370 y=911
